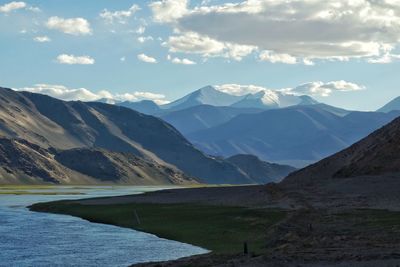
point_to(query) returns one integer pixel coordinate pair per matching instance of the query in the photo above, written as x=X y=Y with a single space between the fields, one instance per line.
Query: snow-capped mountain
x=205 y=96
x=266 y=99
x=273 y=99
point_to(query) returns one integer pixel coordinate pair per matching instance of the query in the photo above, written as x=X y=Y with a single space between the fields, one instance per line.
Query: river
x=40 y=239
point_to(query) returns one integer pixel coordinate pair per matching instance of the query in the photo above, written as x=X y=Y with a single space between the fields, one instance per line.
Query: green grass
x=374 y=218
x=217 y=228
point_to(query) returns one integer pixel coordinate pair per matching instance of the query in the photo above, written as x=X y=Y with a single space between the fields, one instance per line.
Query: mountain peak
x=391 y=106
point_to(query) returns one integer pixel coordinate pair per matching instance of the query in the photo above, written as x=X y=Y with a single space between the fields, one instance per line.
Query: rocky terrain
x=52 y=123
x=24 y=162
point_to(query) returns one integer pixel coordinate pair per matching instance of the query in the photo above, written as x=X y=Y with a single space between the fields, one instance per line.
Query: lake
x=40 y=239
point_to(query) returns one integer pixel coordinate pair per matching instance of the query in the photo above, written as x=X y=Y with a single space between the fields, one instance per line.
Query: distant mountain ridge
x=211 y=96
x=375 y=155
x=391 y=106
x=295 y=135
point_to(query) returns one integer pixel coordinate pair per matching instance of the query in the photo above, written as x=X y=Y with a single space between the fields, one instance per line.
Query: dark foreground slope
x=49 y=122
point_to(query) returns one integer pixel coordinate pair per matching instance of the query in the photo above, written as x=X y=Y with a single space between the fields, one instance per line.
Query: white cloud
x=183 y=61
x=42 y=39
x=140 y=30
x=277 y=58
x=120 y=16
x=73 y=26
x=312 y=88
x=191 y=42
x=384 y=59
x=143 y=39
x=239 y=90
x=9 y=7
x=168 y=10
x=83 y=94
x=71 y=60
x=147 y=59
x=301 y=30
x=325 y=89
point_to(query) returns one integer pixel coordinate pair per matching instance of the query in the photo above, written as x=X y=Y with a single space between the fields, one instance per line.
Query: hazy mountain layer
x=203 y=117
x=291 y=135
x=376 y=155
x=391 y=106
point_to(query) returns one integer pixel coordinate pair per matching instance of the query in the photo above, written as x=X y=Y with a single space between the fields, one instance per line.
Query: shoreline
x=288 y=239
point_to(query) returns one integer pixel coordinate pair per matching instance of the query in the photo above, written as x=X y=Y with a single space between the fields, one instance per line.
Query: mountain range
x=211 y=96
x=273 y=125
x=119 y=137
x=296 y=135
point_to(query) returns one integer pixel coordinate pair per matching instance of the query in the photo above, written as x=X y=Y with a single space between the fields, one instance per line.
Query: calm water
x=39 y=239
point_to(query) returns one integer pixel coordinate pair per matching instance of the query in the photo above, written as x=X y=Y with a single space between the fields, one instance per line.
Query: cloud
x=277 y=58
x=140 y=30
x=42 y=39
x=73 y=26
x=384 y=59
x=83 y=94
x=305 y=30
x=147 y=59
x=317 y=88
x=191 y=42
x=168 y=10
x=120 y=16
x=72 y=60
x=183 y=61
x=239 y=90
x=325 y=89
x=143 y=39
x=9 y=7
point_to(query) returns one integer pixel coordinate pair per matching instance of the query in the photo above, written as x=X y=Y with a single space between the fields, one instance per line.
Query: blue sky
x=342 y=53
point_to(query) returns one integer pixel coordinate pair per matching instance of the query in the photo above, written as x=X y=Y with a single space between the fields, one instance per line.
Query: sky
x=343 y=53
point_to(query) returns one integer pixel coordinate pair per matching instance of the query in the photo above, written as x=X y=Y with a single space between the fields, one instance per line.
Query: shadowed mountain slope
x=22 y=162
x=260 y=171
x=49 y=122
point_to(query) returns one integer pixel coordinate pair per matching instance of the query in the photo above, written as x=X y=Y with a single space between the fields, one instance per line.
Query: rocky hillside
x=49 y=122
x=261 y=172
x=22 y=162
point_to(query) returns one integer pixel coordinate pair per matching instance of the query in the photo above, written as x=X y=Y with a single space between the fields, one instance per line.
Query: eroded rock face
x=120 y=167
x=24 y=162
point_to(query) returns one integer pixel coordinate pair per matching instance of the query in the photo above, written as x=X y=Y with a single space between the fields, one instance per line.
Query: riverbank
x=220 y=229
x=221 y=219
